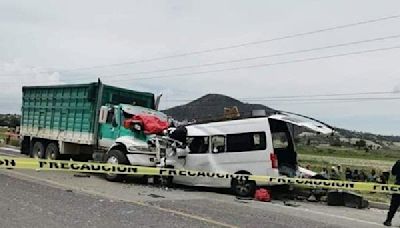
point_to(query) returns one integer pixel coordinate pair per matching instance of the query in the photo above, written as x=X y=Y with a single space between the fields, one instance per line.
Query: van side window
x=198 y=144
x=280 y=140
x=246 y=142
x=218 y=144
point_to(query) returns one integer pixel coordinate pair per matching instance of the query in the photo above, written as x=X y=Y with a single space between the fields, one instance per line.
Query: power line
x=336 y=101
x=268 y=98
x=276 y=102
x=260 y=65
x=256 y=57
x=329 y=95
x=297 y=96
x=291 y=102
x=252 y=58
x=235 y=45
x=331 y=99
x=242 y=44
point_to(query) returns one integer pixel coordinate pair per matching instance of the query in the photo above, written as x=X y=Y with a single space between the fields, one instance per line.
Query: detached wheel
x=243 y=188
x=116 y=157
x=165 y=181
x=52 y=152
x=38 y=150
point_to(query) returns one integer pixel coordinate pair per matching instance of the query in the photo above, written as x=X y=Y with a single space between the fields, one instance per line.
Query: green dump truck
x=86 y=121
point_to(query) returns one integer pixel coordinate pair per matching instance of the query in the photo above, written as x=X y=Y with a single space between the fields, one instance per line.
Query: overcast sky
x=42 y=42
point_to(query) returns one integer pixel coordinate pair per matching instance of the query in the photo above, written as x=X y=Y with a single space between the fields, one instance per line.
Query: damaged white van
x=257 y=146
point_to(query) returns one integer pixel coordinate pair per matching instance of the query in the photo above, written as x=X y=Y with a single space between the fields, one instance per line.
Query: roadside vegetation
x=9 y=124
x=13 y=140
x=386 y=154
x=321 y=152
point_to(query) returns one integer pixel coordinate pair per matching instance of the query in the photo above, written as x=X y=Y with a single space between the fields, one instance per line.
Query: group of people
x=336 y=173
x=360 y=175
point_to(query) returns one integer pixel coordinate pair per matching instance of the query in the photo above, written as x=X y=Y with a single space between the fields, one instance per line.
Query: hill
x=211 y=106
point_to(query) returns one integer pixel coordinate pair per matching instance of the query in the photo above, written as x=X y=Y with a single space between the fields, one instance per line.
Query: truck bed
x=68 y=112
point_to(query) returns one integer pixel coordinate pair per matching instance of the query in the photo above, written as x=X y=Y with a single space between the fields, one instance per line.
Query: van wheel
x=52 y=152
x=38 y=150
x=116 y=157
x=243 y=188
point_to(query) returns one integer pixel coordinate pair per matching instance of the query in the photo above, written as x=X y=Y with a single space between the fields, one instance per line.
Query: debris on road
x=81 y=175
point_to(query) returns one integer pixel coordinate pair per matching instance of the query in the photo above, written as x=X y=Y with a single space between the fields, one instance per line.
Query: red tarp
x=151 y=124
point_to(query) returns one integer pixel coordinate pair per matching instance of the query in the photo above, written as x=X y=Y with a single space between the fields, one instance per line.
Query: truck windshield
x=131 y=110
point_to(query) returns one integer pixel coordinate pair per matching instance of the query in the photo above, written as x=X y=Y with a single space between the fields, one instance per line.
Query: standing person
x=335 y=174
x=362 y=176
x=356 y=175
x=325 y=173
x=395 y=202
x=348 y=174
x=372 y=177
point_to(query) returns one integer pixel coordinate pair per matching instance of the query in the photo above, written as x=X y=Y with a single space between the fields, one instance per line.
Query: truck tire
x=38 y=150
x=243 y=188
x=116 y=157
x=52 y=152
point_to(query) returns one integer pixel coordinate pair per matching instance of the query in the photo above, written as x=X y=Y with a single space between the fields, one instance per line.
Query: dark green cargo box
x=68 y=112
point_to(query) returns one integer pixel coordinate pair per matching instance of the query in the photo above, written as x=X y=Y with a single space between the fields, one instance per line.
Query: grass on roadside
x=367 y=163
x=350 y=152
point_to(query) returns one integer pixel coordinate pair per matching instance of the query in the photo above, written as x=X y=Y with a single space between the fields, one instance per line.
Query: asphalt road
x=55 y=199
x=27 y=204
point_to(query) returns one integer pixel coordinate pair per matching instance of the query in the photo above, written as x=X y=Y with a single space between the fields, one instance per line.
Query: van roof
x=228 y=127
x=257 y=124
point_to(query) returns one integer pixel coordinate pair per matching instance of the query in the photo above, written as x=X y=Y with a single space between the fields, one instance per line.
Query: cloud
x=14 y=75
x=396 y=89
x=67 y=35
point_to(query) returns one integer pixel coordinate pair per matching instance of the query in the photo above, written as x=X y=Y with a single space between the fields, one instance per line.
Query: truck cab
x=132 y=140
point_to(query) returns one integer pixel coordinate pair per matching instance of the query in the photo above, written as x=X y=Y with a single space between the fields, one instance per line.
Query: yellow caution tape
x=91 y=167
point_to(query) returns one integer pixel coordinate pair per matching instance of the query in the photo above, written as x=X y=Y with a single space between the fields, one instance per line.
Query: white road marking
x=10 y=149
x=330 y=215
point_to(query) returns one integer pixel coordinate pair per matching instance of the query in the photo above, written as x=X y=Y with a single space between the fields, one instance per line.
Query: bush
x=15 y=142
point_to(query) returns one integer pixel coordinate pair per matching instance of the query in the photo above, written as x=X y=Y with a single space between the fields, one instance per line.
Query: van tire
x=243 y=188
x=116 y=157
x=38 y=150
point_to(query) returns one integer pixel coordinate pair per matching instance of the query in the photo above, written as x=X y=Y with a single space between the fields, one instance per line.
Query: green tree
x=361 y=144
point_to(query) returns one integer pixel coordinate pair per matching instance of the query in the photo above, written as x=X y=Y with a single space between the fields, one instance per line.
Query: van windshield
x=198 y=144
x=283 y=147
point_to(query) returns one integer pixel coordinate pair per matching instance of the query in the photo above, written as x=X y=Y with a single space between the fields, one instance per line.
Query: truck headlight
x=138 y=148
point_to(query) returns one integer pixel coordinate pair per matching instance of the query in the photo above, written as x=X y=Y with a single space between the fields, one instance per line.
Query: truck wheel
x=38 y=150
x=52 y=152
x=243 y=188
x=116 y=157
